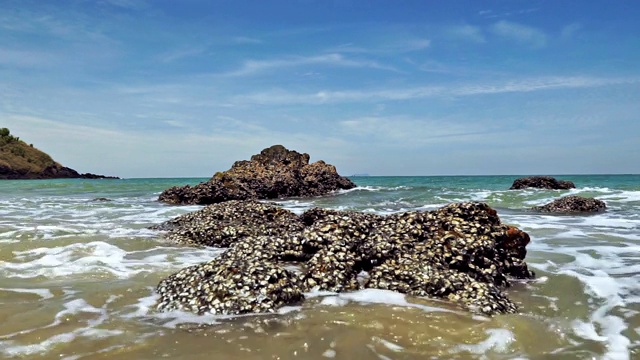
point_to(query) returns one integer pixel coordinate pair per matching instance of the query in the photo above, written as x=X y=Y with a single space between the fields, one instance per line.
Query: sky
x=143 y=88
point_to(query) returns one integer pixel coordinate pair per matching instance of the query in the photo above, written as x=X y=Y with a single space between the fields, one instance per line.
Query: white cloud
x=412 y=132
x=28 y=58
x=467 y=32
x=180 y=54
x=385 y=46
x=523 y=34
x=252 y=67
x=570 y=31
x=175 y=123
x=398 y=94
x=246 y=40
x=129 y=4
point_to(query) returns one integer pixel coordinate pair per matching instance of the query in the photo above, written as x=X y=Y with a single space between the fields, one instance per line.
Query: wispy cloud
x=129 y=4
x=27 y=58
x=385 y=47
x=523 y=34
x=570 y=31
x=399 y=94
x=467 y=33
x=182 y=53
x=252 y=67
x=412 y=131
x=246 y=40
x=491 y=14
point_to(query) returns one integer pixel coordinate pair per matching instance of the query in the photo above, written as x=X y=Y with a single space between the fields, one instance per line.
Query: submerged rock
x=542 y=182
x=460 y=252
x=573 y=204
x=274 y=173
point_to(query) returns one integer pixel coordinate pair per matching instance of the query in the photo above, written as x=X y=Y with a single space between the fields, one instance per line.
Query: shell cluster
x=460 y=252
x=573 y=204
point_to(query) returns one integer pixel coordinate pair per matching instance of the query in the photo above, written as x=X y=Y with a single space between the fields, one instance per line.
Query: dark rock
x=573 y=204
x=460 y=252
x=274 y=173
x=62 y=172
x=50 y=172
x=542 y=182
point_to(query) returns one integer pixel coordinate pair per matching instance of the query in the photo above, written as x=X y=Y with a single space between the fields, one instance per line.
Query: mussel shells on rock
x=460 y=252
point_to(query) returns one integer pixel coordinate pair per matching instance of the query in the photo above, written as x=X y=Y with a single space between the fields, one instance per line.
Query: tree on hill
x=4 y=132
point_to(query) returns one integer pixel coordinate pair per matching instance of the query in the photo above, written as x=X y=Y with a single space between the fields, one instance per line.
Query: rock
x=542 y=182
x=461 y=252
x=274 y=173
x=22 y=161
x=230 y=286
x=228 y=222
x=62 y=172
x=573 y=204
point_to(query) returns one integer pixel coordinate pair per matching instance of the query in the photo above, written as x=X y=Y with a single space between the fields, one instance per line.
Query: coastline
x=97 y=263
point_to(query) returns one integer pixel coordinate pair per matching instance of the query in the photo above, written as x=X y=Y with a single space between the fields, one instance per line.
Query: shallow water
x=77 y=278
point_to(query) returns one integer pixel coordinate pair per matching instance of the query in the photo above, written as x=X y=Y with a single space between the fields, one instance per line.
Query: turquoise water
x=77 y=277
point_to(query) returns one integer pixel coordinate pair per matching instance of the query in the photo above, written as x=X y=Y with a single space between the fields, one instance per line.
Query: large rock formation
x=21 y=161
x=542 y=182
x=274 y=173
x=573 y=204
x=461 y=252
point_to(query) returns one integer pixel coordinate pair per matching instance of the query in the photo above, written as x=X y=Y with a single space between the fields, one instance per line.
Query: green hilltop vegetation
x=19 y=160
x=20 y=157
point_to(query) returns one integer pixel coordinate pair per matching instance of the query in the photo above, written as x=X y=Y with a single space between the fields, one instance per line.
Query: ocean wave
x=99 y=259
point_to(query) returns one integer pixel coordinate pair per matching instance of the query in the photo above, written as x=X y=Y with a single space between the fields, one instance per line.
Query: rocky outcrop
x=542 y=182
x=20 y=161
x=573 y=204
x=50 y=172
x=274 y=173
x=62 y=172
x=461 y=252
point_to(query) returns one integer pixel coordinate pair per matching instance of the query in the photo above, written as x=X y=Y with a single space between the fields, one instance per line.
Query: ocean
x=78 y=268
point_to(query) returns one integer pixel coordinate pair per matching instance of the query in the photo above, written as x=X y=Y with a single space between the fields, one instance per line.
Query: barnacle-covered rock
x=230 y=285
x=460 y=252
x=573 y=204
x=224 y=223
x=274 y=173
x=408 y=274
x=542 y=182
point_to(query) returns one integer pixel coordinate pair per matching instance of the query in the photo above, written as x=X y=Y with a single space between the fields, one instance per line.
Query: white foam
x=98 y=258
x=388 y=344
x=622 y=196
x=13 y=349
x=498 y=340
x=377 y=296
x=43 y=293
x=329 y=353
x=362 y=188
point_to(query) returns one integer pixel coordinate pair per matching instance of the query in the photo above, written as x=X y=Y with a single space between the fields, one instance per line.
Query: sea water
x=78 y=267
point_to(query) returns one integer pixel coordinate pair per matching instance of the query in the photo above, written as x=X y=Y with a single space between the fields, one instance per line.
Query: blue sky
x=140 y=88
